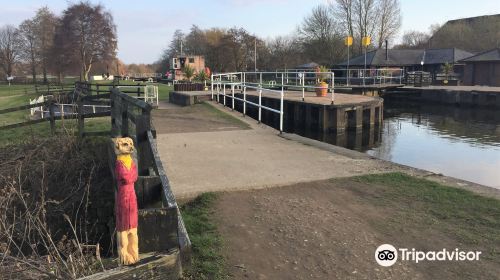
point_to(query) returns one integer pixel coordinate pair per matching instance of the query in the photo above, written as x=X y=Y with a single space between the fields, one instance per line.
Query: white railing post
x=281 y=103
x=62 y=110
x=333 y=87
x=303 y=84
x=232 y=97
x=212 y=85
x=260 y=103
x=93 y=109
x=224 y=92
x=244 y=88
x=218 y=90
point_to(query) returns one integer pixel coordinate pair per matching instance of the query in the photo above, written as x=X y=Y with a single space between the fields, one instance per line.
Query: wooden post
x=81 y=119
x=142 y=125
x=52 y=118
x=124 y=119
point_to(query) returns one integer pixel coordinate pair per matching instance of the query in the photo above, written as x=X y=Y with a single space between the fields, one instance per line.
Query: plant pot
x=321 y=89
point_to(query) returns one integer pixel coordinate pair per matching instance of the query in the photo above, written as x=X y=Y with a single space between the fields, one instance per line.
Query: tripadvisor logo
x=387 y=255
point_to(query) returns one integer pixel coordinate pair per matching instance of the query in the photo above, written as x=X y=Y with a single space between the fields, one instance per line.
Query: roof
x=308 y=65
x=396 y=57
x=491 y=55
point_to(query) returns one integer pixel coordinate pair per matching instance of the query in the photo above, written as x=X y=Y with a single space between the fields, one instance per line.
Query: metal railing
x=272 y=83
x=356 y=76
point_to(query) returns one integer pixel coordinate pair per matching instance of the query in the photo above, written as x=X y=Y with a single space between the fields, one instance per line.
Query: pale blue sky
x=145 y=27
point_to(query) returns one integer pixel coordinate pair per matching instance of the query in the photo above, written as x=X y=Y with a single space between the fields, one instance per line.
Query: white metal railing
x=273 y=83
x=63 y=108
x=150 y=93
x=358 y=76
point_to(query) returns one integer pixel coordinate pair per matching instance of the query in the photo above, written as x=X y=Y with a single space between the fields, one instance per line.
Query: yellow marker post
x=348 y=41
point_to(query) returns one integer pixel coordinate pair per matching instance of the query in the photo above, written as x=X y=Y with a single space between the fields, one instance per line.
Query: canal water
x=457 y=142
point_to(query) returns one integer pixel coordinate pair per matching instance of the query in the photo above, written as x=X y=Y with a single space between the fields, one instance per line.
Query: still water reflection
x=458 y=142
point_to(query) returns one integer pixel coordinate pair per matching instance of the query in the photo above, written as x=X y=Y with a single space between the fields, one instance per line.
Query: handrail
x=220 y=81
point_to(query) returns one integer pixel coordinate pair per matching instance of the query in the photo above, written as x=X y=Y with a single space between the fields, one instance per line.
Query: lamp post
x=348 y=43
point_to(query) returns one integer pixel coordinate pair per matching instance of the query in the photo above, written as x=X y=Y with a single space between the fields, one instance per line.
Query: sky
x=145 y=27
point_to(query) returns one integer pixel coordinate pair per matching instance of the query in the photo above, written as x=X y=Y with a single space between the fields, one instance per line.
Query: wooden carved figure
x=126 y=202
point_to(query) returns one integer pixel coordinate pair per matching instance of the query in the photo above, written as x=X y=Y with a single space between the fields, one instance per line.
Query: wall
x=482 y=73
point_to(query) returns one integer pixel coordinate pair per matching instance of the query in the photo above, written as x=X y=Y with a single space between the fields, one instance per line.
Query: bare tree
x=413 y=39
x=343 y=11
x=389 y=20
x=365 y=18
x=28 y=44
x=46 y=23
x=89 y=31
x=320 y=36
x=9 y=48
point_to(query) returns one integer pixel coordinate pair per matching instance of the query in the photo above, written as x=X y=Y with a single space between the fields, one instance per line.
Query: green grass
x=42 y=130
x=471 y=219
x=225 y=116
x=207 y=259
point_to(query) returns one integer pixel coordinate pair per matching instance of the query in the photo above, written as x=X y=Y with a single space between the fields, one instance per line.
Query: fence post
x=281 y=103
x=52 y=119
x=138 y=91
x=224 y=93
x=81 y=119
x=124 y=114
x=232 y=97
x=212 y=85
x=143 y=124
x=303 y=84
x=333 y=87
x=260 y=103
x=244 y=88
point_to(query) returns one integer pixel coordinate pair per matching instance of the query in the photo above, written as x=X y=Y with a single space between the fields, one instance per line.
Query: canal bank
x=200 y=161
x=467 y=96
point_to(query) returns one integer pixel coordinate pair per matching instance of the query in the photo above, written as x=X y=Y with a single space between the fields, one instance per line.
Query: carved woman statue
x=126 y=202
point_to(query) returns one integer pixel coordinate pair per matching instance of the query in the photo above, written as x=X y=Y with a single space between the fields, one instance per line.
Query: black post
x=81 y=119
x=52 y=118
x=143 y=124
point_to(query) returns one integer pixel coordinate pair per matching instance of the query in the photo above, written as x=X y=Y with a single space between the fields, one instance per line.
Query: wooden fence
x=157 y=206
x=161 y=228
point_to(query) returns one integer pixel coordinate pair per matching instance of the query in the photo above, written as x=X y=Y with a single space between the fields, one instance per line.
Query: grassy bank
x=470 y=220
x=207 y=262
x=407 y=212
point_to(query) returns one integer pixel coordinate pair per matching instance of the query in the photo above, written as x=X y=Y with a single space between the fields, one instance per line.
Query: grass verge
x=225 y=116
x=207 y=259
x=470 y=219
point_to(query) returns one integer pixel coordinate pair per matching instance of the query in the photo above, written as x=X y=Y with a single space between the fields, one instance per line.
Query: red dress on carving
x=125 y=199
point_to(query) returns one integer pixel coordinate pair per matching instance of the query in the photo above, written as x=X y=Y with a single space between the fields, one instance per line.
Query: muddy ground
x=331 y=229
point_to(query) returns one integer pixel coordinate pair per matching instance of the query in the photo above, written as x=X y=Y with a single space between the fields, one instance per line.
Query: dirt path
x=328 y=230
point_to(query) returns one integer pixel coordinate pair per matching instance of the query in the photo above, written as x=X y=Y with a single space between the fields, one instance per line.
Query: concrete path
x=230 y=156
x=199 y=162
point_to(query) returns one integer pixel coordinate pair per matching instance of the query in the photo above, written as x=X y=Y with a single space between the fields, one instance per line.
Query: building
x=428 y=60
x=197 y=62
x=483 y=69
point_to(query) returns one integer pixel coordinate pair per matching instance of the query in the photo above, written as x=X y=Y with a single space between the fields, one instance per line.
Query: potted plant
x=203 y=76
x=188 y=72
x=321 y=86
x=447 y=68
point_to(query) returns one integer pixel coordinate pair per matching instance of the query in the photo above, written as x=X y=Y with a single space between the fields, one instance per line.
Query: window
x=191 y=60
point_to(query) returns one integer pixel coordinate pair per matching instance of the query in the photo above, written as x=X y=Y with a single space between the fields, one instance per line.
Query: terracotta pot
x=321 y=89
